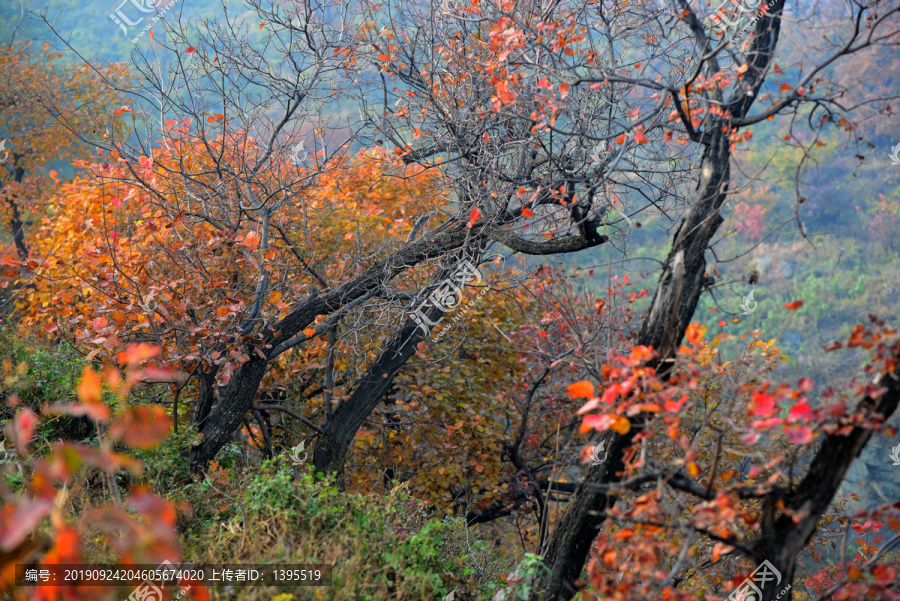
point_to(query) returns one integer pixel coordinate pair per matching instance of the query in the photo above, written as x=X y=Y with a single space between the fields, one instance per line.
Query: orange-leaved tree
x=129 y=259
x=50 y=108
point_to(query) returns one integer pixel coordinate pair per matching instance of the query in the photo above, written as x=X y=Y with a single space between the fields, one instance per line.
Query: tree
x=236 y=183
x=739 y=475
x=550 y=124
x=519 y=96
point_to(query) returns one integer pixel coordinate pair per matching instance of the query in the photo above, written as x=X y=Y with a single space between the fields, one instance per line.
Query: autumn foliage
x=131 y=255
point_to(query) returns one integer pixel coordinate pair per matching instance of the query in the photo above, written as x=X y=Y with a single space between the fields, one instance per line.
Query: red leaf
x=763 y=404
x=22 y=428
x=794 y=305
x=800 y=435
x=17 y=524
x=526 y=212
x=640 y=138
x=190 y=50
x=474 y=215
x=800 y=410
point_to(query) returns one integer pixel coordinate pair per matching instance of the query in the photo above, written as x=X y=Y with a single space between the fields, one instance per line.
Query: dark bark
x=227 y=415
x=677 y=294
x=333 y=444
x=206 y=396
x=16 y=225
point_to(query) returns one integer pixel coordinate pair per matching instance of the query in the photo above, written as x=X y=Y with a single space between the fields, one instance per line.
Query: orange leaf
x=640 y=138
x=621 y=425
x=97 y=412
x=526 y=212
x=694 y=333
x=580 y=390
x=137 y=353
x=90 y=387
x=621 y=139
x=474 y=215
x=309 y=332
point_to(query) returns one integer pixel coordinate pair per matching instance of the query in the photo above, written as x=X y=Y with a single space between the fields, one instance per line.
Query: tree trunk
x=206 y=396
x=331 y=449
x=680 y=285
x=782 y=536
x=283 y=335
x=236 y=401
x=677 y=294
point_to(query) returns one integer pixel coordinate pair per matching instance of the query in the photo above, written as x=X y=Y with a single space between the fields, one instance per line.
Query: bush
x=382 y=548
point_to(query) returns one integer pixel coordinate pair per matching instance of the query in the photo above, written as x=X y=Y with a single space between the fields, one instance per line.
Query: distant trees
x=44 y=107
